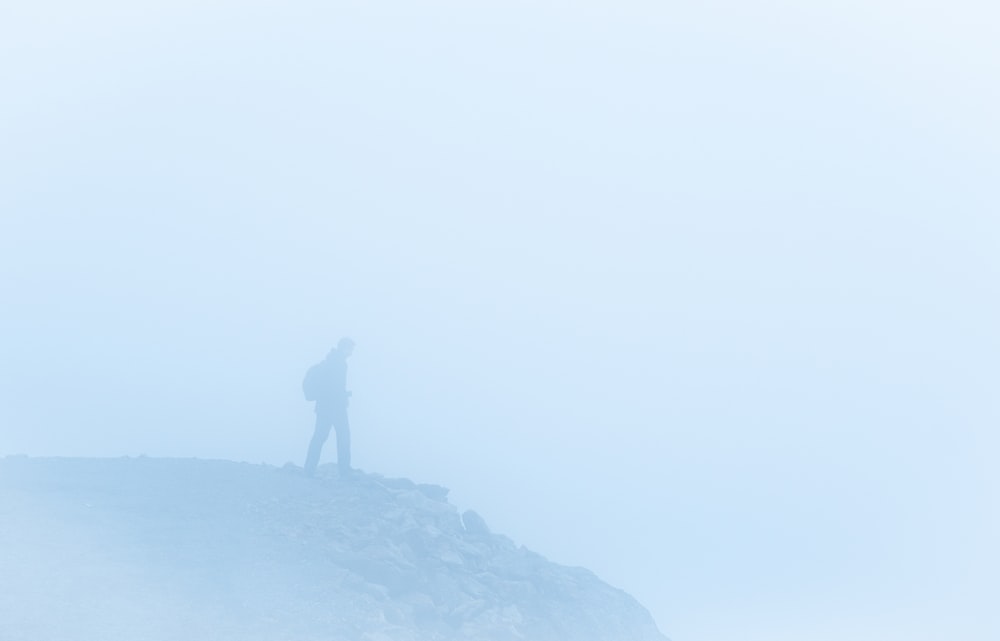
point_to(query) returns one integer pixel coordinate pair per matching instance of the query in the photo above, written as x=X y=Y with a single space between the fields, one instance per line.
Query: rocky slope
x=143 y=549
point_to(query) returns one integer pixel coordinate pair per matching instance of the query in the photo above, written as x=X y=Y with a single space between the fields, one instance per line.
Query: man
x=326 y=383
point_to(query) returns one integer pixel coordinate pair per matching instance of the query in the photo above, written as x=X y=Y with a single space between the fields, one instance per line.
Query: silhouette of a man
x=331 y=407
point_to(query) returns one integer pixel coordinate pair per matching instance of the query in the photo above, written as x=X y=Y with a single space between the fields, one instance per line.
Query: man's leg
x=343 y=428
x=316 y=444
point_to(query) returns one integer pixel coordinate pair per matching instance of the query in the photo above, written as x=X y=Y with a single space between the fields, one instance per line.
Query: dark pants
x=325 y=420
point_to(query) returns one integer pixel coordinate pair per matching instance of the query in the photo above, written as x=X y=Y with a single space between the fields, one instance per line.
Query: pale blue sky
x=702 y=298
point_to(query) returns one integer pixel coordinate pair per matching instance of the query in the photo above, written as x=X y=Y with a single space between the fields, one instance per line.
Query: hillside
x=142 y=549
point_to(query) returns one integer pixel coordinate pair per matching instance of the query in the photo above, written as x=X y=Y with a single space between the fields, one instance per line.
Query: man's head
x=345 y=346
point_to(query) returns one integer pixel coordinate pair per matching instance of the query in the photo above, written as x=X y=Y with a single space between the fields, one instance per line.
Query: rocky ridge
x=140 y=548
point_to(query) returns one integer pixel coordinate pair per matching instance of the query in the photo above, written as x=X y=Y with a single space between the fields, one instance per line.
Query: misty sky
x=704 y=299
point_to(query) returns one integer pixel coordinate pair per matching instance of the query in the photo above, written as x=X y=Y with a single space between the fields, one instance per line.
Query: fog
x=703 y=299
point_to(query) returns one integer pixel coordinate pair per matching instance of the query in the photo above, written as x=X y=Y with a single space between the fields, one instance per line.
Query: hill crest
x=197 y=549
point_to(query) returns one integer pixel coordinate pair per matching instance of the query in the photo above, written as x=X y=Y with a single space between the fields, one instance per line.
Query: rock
x=475 y=524
x=158 y=550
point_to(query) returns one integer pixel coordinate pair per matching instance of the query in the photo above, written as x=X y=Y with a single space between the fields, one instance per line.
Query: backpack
x=312 y=384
